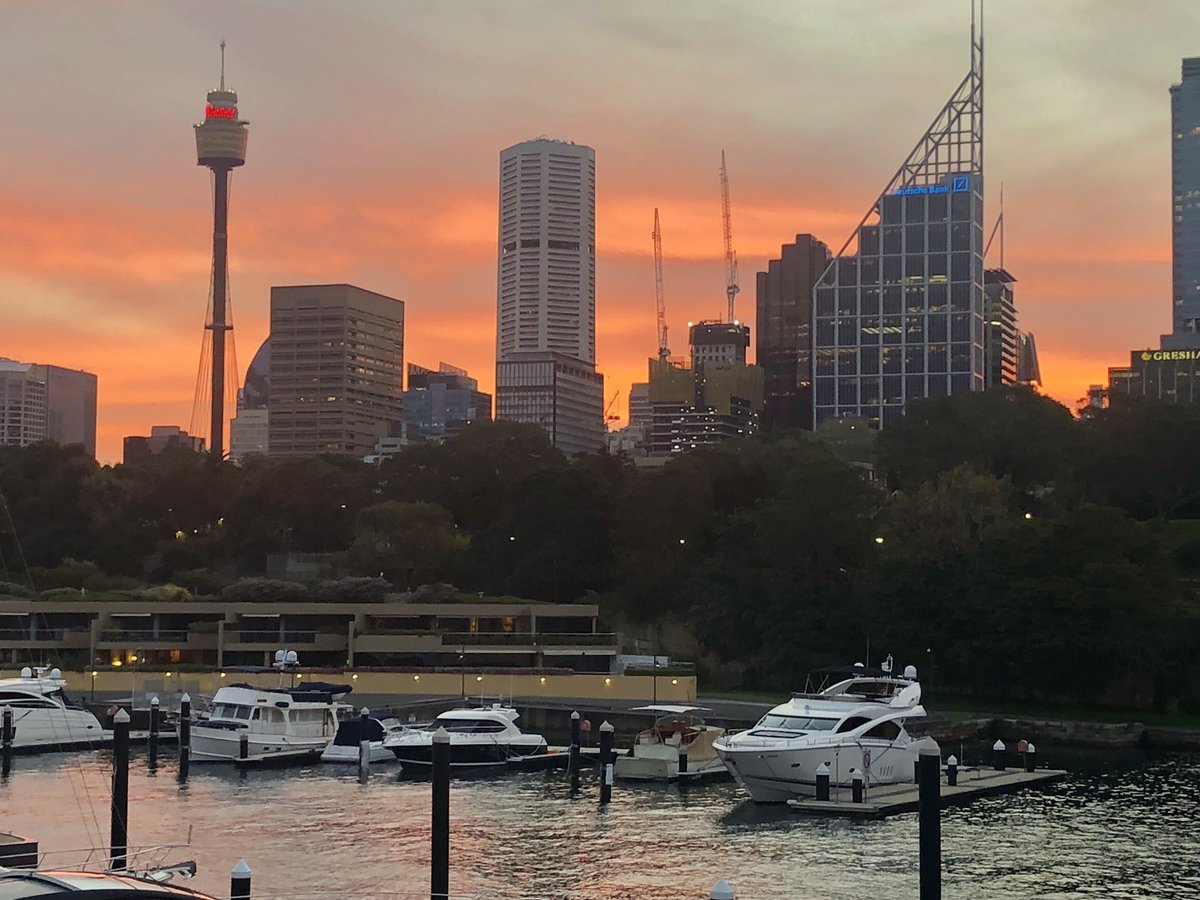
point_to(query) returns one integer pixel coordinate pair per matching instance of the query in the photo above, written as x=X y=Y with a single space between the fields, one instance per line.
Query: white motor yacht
x=678 y=732
x=479 y=737
x=280 y=724
x=353 y=731
x=44 y=717
x=856 y=724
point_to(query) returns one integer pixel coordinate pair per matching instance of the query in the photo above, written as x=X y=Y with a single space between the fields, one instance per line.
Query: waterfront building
x=902 y=316
x=336 y=368
x=46 y=403
x=211 y=632
x=1185 y=218
x=546 y=293
x=161 y=439
x=439 y=404
x=783 y=343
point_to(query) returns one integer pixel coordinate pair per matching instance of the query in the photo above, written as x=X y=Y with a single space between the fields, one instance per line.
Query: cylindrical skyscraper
x=220 y=146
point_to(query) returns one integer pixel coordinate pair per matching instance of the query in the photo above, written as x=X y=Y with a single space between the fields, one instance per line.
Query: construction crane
x=609 y=415
x=731 y=272
x=663 y=351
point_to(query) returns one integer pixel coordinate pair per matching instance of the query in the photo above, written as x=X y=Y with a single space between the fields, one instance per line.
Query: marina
x=314 y=832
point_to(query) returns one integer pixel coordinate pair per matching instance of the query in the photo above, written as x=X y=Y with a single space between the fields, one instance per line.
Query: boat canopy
x=352 y=732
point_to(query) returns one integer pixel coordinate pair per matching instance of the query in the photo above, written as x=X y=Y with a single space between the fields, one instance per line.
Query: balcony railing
x=528 y=639
x=274 y=636
x=135 y=636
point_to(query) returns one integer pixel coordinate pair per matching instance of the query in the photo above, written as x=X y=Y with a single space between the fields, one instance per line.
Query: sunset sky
x=376 y=127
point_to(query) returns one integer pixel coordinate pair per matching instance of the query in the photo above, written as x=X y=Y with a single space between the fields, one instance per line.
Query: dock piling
x=606 y=762
x=856 y=786
x=952 y=771
x=7 y=738
x=243 y=747
x=364 y=761
x=682 y=759
x=185 y=736
x=929 y=814
x=118 y=844
x=573 y=754
x=1031 y=759
x=722 y=890
x=239 y=881
x=823 y=781
x=998 y=756
x=439 y=852
x=152 y=738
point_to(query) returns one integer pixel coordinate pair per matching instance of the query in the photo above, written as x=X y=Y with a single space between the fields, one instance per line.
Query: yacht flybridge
x=44 y=717
x=855 y=724
x=479 y=737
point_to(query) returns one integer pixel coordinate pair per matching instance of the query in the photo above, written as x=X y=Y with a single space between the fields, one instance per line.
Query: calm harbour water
x=1123 y=827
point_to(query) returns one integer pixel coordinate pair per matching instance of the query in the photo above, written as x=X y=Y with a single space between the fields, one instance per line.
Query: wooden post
x=606 y=762
x=185 y=736
x=118 y=845
x=929 y=813
x=152 y=739
x=439 y=851
x=239 y=881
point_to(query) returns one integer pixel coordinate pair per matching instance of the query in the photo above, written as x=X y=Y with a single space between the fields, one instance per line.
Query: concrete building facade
x=1185 y=214
x=440 y=403
x=561 y=395
x=336 y=369
x=46 y=403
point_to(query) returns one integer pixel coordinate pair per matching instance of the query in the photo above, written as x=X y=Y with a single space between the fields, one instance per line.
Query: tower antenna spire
x=222 y=63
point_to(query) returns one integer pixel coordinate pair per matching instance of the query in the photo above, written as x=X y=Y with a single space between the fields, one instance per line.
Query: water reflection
x=1122 y=826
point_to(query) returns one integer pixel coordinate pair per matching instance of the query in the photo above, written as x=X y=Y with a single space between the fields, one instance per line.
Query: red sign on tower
x=220 y=112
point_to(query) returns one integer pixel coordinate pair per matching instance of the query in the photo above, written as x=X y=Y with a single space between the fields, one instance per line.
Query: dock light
x=166 y=674
x=479 y=678
x=94 y=673
x=222 y=674
x=354 y=677
x=116 y=663
x=299 y=675
x=879 y=540
x=1029 y=515
x=416 y=678
x=133 y=659
x=542 y=679
x=607 y=681
x=674 y=681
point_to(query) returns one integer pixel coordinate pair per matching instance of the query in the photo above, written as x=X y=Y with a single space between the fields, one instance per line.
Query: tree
x=406 y=543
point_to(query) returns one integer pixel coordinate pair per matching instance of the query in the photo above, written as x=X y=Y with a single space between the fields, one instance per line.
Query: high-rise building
x=336 y=369
x=250 y=429
x=1000 y=336
x=46 y=403
x=439 y=404
x=1185 y=219
x=783 y=344
x=546 y=293
x=720 y=343
x=221 y=147
x=902 y=316
x=1028 y=370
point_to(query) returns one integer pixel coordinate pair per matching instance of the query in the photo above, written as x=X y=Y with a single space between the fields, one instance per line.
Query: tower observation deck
x=220 y=146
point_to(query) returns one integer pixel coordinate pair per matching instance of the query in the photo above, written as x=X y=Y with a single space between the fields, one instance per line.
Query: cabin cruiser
x=855 y=724
x=280 y=724
x=44 y=717
x=479 y=737
x=365 y=727
x=677 y=735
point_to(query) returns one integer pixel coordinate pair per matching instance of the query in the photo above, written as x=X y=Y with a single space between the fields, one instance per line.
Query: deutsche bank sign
x=958 y=184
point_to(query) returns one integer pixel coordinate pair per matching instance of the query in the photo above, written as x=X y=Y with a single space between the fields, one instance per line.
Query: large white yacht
x=44 y=717
x=479 y=737
x=280 y=724
x=855 y=724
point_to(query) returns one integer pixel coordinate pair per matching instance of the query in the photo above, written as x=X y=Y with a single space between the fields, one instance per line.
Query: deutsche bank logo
x=960 y=183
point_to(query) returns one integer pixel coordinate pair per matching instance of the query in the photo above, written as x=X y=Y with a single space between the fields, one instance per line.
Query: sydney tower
x=220 y=146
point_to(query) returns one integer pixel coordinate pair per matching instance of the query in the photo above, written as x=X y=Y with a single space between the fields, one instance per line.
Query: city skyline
x=107 y=273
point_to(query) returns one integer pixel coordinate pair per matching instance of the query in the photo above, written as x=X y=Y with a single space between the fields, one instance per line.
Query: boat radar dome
x=859 y=665
x=56 y=673
x=27 y=672
x=910 y=672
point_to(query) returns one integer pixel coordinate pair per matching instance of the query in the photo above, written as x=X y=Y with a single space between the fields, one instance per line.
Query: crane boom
x=731 y=269
x=663 y=351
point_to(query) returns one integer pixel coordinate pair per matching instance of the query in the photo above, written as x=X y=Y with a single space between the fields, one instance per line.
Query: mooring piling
x=185 y=736
x=823 y=781
x=118 y=844
x=573 y=754
x=607 y=733
x=8 y=736
x=439 y=850
x=929 y=815
x=239 y=881
x=152 y=737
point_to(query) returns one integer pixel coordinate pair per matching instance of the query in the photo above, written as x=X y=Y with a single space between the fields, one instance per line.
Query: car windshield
x=796 y=723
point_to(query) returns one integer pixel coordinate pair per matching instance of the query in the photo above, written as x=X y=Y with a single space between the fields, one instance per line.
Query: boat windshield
x=231 y=711
x=470 y=726
x=796 y=723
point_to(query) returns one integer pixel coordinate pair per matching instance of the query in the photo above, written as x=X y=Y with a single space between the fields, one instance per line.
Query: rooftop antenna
x=998 y=228
x=222 y=64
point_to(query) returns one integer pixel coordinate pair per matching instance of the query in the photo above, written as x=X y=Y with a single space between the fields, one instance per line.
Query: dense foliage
x=1002 y=545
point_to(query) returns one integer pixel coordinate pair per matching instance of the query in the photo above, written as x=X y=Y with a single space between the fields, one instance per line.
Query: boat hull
x=224 y=745
x=348 y=756
x=468 y=755
x=47 y=729
x=776 y=774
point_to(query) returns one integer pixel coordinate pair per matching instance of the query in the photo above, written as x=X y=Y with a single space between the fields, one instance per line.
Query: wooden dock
x=890 y=799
